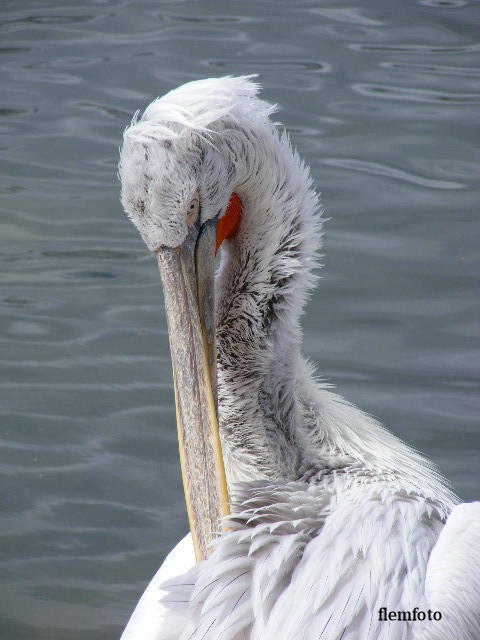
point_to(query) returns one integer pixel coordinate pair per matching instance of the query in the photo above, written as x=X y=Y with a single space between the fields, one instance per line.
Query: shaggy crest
x=196 y=106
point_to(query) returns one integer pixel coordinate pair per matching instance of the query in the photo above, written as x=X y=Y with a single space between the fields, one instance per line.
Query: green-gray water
x=382 y=98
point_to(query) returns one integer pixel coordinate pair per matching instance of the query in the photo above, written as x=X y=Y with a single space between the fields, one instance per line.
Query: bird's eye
x=193 y=209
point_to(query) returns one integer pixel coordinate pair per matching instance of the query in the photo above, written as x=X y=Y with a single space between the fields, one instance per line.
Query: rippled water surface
x=382 y=98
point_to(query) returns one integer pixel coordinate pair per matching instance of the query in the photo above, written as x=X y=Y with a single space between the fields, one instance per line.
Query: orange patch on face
x=228 y=223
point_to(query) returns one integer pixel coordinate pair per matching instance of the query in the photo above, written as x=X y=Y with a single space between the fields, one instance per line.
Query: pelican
x=308 y=520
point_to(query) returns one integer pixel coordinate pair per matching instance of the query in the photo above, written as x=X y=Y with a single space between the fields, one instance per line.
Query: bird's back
x=302 y=562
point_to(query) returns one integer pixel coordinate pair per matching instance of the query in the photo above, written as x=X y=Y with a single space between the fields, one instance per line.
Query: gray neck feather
x=261 y=290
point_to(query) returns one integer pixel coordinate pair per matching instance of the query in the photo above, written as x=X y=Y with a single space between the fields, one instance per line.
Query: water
x=382 y=100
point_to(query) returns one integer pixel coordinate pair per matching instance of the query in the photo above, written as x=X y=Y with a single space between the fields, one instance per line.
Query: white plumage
x=333 y=516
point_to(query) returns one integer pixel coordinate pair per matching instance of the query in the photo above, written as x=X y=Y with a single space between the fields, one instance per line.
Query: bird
x=309 y=520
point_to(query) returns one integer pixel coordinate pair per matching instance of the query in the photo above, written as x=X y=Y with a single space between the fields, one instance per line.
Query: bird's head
x=174 y=160
x=169 y=185
x=178 y=179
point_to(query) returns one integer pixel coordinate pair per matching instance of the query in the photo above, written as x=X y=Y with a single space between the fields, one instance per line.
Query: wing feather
x=320 y=570
x=152 y=620
x=452 y=583
x=302 y=563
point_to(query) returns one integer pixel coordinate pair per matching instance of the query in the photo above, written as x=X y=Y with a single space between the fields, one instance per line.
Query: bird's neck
x=262 y=287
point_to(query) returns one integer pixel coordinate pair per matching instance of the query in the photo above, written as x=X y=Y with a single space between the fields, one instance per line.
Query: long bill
x=187 y=274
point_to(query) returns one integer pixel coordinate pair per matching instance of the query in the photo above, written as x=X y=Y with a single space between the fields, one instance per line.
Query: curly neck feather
x=262 y=287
